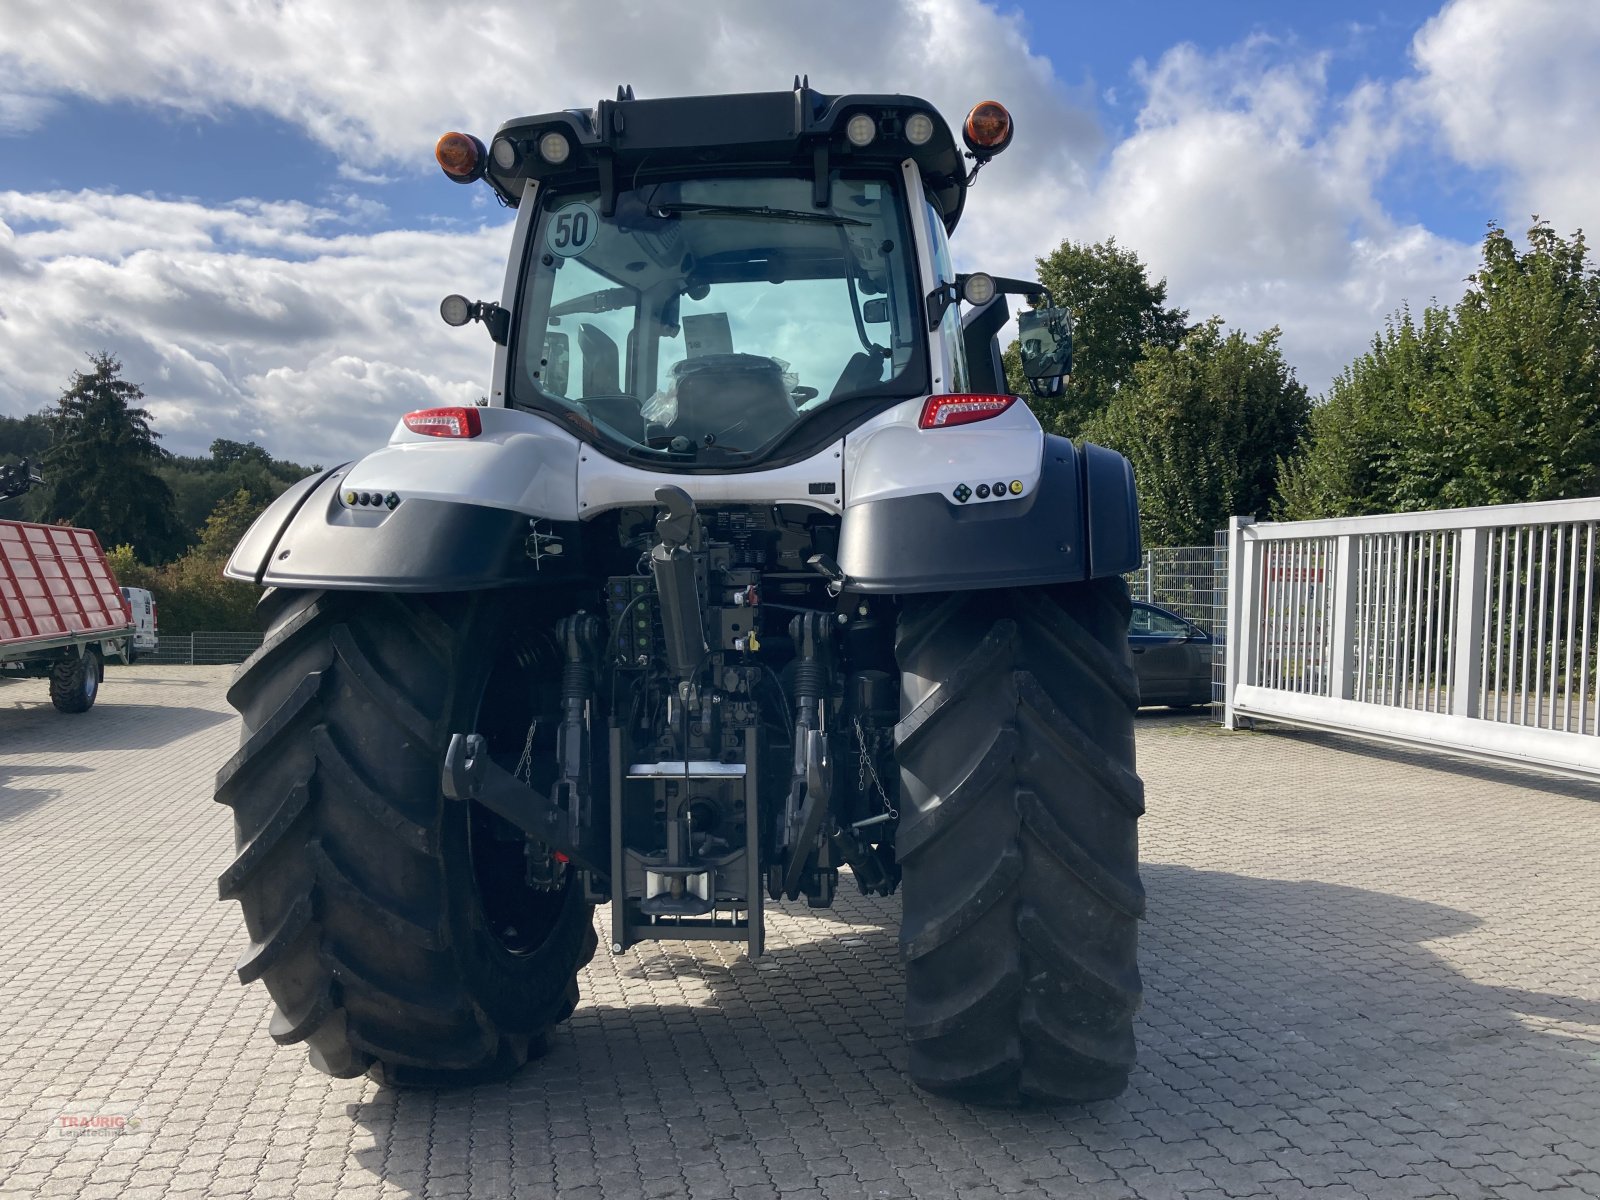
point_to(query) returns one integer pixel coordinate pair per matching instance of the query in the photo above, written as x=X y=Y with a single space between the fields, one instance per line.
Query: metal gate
x=1473 y=630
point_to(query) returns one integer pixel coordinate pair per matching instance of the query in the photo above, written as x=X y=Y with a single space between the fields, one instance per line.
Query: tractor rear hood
x=802 y=129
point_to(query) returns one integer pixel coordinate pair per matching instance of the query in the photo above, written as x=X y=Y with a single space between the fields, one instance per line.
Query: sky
x=239 y=199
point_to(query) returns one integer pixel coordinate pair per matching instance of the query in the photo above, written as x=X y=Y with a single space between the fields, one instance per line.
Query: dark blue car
x=1172 y=657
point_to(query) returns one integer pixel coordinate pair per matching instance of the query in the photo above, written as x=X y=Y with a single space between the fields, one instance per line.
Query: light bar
x=861 y=129
x=962 y=408
x=554 y=148
x=445 y=422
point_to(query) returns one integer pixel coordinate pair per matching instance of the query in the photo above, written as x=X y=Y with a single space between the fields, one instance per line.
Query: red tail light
x=962 y=408
x=445 y=422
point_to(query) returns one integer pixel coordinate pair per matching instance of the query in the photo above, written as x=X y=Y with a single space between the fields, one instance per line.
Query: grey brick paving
x=1368 y=974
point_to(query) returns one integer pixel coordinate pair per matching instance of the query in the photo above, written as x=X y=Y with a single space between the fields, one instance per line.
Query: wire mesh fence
x=1191 y=581
x=204 y=648
x=1183 y=579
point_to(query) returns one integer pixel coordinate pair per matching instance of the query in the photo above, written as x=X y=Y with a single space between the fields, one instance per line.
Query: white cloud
x=1514 y=88
x=250 y=321
x=379 y=83
x=22 y=112
x=1252 y=189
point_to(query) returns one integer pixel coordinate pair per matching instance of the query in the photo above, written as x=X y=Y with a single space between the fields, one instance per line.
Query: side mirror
x=557 y=362
x=875 y=312
x=1045 y=336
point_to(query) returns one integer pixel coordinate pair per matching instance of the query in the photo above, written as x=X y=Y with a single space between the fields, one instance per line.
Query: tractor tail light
x=962 y=408
x=445 y=422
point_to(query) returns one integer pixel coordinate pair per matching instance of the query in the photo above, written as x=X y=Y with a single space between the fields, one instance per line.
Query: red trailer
x=61 y=612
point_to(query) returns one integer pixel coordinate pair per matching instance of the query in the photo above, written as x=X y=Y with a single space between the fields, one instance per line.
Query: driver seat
x=718 y=392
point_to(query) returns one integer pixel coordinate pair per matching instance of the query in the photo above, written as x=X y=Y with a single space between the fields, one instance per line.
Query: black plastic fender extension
x=309 y=538
x=1081 y=522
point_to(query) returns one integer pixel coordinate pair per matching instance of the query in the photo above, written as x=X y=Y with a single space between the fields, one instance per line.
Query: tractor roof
x=800 y=129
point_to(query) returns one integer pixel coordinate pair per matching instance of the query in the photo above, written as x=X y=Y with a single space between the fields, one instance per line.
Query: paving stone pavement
x=1368 y=973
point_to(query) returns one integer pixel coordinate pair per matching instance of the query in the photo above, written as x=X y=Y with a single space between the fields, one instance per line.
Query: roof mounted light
x=962 y=408
x=919 y=128
x=860 y=130
x=444 y=422
x=554 y=148
x=987 y=129
x=504 y=152
x=461 y=157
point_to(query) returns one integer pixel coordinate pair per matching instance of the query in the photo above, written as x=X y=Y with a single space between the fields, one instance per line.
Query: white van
x=143 y=605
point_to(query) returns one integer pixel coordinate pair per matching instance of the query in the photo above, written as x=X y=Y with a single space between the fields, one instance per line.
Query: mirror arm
x=939 y=301
x=495 y=319
x=1035 y=292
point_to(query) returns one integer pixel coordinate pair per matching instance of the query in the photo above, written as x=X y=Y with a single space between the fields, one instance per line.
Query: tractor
x=750 y=579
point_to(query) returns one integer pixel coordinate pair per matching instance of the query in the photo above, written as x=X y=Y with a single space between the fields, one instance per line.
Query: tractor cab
x=720 y=283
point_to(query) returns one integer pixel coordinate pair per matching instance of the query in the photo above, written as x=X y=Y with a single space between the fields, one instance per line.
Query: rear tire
x=75 y=682
x=355 y=875
x=1019 y=842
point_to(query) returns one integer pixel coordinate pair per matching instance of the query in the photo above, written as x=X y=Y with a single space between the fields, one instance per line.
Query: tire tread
x=1022 y=895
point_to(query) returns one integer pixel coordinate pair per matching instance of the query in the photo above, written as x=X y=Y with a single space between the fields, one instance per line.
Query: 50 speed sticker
x=572 y=229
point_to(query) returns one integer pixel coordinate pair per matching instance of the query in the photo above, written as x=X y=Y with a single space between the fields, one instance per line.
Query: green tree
x=1362 y=443
x=1493 y=401
x=192 y=592
x=1519 y=417
x=100 y=469
x=1204 y=425
x=228 y=522
x=1116 y=312
x=225 y=452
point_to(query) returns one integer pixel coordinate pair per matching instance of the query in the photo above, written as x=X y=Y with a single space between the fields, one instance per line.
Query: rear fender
x=428 y=514
x=1076 y=519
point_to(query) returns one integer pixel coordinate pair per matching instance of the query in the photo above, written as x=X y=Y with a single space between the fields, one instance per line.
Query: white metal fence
x=1474 y=629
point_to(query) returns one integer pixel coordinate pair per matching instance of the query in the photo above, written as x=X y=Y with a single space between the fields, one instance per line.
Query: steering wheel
x=801 y=394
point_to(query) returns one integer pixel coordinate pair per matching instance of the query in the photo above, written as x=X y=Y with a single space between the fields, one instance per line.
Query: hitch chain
x=545 y=872
x=524 y=770
x=869 y=774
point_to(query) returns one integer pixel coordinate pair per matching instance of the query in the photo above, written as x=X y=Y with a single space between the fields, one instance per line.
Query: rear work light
x=961 y=408
x=445 y=422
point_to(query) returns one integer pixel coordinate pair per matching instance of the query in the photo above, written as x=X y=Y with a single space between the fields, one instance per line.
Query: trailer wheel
x=1019 y=842
x=75 y=682
x=393 y=929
